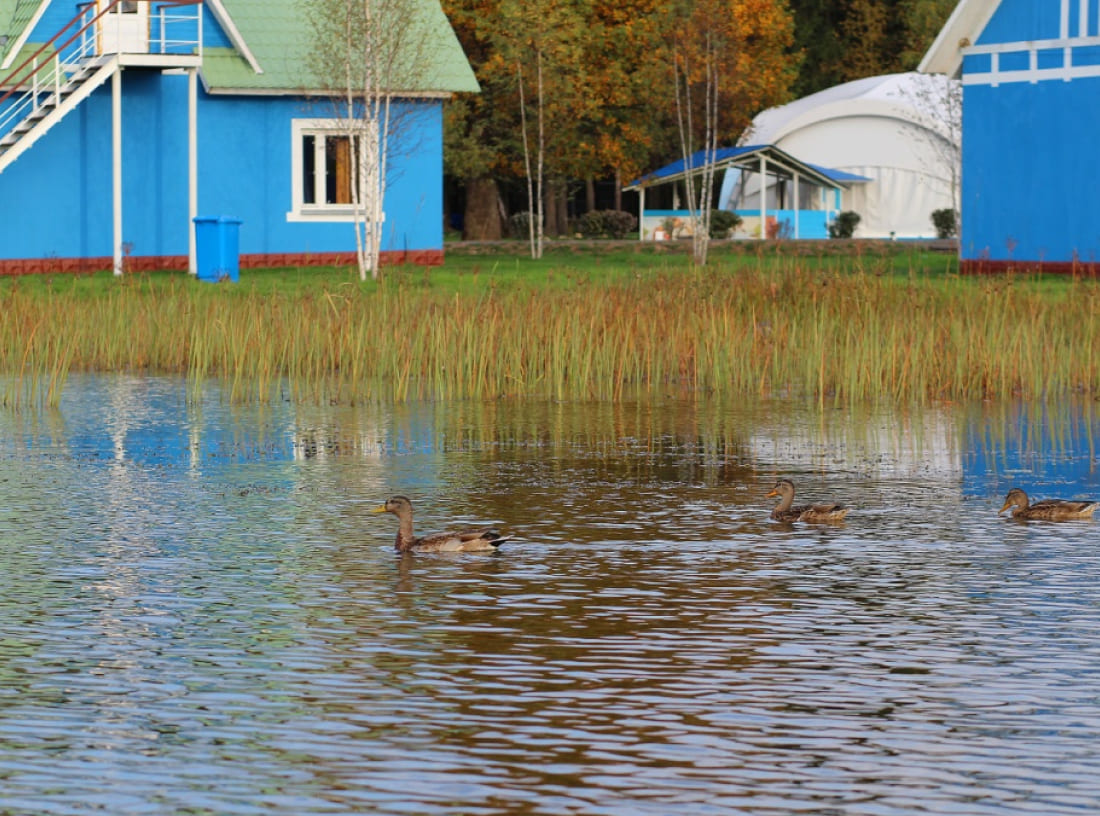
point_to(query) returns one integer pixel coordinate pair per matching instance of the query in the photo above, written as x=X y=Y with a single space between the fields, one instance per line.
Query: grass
x=590 y=320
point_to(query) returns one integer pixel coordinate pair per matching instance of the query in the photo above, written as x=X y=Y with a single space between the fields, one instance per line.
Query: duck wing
x=824 y=512
x=1061 y=509
x=790 y=514
x=460 y=541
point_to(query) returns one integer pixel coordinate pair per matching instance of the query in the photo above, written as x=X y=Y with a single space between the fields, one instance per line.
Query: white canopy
x=900 y=130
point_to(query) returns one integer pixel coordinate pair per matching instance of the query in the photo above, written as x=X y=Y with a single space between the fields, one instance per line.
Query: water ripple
x=232 y=634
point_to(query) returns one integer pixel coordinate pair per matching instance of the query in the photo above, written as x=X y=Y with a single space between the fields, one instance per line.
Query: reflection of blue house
x=802 y=199
x=123 y=120
x=1031 y=79
x=1046 y=449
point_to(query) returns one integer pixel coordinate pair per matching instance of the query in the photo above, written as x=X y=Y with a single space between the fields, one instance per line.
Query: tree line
x=578 y=92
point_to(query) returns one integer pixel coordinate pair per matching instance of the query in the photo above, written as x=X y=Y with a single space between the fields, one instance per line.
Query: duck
x=784 y=511
x=1047 y=509
x=459 y=541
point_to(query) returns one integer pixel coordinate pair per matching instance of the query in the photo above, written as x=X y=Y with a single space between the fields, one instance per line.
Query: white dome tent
x=899 y=130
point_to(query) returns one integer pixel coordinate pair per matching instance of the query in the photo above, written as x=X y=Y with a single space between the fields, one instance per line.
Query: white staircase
x=37 y=109
x=65 y=71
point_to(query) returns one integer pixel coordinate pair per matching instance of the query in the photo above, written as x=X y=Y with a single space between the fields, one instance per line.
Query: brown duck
x=786 y=511
x=461 y=541
x=1047 y=509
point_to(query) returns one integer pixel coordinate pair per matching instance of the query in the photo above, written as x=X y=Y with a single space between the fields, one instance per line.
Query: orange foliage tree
x=604 y=98
x=729 y=59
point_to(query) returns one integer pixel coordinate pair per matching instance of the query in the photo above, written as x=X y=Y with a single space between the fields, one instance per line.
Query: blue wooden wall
x=57 y=197
x=1029 y=157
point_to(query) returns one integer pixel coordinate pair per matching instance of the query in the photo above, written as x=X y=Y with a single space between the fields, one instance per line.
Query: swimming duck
x=783 y=511
x=461 y=541
x=1047 y=509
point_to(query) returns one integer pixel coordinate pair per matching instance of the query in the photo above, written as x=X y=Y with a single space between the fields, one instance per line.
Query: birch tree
x=543 y=51
x=368 y=55
x=695 y=78
x=729 y=59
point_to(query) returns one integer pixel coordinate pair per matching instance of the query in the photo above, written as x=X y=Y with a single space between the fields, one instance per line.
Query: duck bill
x=381 y=509
x=1007 y=505
x=770 y=493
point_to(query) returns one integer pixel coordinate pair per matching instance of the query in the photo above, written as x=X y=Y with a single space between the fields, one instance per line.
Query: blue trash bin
x=217 y=248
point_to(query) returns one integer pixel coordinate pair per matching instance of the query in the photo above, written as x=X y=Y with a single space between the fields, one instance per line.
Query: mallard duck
x=784 y=511
x=1047 y=509
x=462 y=541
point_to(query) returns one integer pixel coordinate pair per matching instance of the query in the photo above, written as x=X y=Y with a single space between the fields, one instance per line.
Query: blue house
x=121 y=121
x=1031 y=82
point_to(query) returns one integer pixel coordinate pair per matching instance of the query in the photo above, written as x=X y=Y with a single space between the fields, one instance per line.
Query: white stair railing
x=44 y=81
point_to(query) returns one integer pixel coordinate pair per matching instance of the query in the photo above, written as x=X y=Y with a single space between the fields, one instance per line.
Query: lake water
x=199 y=615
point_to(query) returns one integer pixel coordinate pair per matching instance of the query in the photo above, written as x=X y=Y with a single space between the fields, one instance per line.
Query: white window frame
x=321 y=128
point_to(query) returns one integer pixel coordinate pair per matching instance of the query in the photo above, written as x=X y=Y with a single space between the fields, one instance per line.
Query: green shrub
x=519 y=224
x=844 y=226
x=613 y=223
x=946 y=223
x=723 y=222
x=620 y=223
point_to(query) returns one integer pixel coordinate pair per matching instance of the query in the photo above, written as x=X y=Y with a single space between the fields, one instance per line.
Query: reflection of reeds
x=836 y=337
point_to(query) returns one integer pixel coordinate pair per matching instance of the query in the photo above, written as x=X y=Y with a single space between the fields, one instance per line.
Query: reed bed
x=770 y=329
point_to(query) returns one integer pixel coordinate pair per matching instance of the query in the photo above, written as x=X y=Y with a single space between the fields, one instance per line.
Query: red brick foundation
x=1077 y=269
x=154 y=263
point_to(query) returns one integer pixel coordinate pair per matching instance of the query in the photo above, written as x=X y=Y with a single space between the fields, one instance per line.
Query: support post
x=116 y=165
x=641 y=213
x=763 y=197
x=192 y=168
x=797 y=211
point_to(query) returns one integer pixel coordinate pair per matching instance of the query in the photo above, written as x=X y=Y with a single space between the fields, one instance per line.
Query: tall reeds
x=829 y=336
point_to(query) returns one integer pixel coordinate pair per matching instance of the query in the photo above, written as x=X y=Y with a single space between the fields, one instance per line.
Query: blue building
x=121 y=121
x=1031 y=87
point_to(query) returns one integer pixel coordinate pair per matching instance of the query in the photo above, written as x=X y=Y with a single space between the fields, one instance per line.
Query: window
x=326 y=164
x=126 y=7
x=328 y=171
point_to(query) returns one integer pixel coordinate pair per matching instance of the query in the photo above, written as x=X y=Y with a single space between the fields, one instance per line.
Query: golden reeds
x=826 y=335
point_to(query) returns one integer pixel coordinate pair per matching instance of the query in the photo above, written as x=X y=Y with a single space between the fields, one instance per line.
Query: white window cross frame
x=320 y=129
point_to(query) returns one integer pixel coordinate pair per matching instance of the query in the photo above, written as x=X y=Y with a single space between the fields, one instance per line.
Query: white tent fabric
x=900 y=130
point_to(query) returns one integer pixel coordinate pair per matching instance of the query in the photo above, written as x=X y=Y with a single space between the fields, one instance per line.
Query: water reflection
x=196 y=605
x=1024 y=444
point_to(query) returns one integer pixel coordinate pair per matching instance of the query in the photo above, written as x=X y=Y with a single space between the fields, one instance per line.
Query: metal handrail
x=15 y=84
x=81 y=14
x=53 y=74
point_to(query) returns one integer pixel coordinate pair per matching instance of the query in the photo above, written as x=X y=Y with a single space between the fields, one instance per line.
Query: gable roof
x=961 y=30
x=780 y=163
x=17 y=18
x=278 y=38
x=270 y=46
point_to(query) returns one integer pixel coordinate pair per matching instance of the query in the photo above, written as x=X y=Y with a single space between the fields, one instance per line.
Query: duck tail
x=495 y=538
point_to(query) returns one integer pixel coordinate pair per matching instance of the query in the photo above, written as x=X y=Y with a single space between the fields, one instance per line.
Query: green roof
x=15 y=16
x=280 y=41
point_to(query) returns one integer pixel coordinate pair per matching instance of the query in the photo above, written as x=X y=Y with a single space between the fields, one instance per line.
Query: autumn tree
x=923 y=21
x=604 y=100
x=864 y=37
x=478 y=127
x=842 y=40
x=729 y=59
x=542 y=50
x=630 y=121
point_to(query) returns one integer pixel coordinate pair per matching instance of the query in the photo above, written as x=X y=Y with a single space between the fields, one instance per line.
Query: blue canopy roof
x=779 y=163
